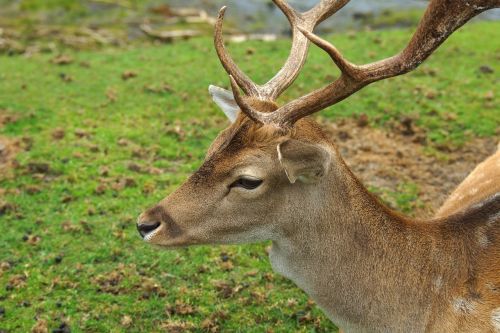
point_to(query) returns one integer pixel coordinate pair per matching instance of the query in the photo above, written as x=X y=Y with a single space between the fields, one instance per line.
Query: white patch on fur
x=495 y=319
x=280 y=159
x=463 y=306
x=473 y=191
x=477 y=205
x=481 y=238
x=438 y=283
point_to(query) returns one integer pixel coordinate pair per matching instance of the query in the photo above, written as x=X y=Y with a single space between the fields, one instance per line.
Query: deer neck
x=356 y=258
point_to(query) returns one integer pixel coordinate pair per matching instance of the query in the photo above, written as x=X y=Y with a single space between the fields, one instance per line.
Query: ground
x=89 y=139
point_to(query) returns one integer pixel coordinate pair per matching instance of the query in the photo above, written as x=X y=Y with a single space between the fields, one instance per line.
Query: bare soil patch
x=8 y=147
x=386 y=159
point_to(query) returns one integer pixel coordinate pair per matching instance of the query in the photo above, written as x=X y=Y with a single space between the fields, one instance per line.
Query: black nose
x=145 y=227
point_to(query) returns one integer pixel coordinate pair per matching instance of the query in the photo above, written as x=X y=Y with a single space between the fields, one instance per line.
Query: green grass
x=88 y=267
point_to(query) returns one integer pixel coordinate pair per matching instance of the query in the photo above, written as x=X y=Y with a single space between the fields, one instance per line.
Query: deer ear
x=225 y=100
x=303 y=161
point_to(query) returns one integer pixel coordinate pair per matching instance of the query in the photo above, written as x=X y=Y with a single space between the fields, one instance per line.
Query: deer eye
x=247 y=183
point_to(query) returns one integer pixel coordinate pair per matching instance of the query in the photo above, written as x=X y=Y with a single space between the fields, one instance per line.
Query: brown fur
x=369 y=268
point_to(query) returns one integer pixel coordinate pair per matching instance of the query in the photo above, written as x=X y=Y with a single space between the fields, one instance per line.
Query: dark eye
x=246 y=183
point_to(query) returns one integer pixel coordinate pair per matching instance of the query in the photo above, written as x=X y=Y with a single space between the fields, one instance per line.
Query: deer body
x=274 y=175
x=385 y=273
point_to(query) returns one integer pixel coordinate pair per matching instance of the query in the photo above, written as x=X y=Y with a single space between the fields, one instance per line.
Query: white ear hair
x=225 y=100
x=303 y=161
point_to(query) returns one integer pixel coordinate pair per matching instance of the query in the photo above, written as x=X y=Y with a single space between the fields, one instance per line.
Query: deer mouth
x=148 y=228
x=150 y=234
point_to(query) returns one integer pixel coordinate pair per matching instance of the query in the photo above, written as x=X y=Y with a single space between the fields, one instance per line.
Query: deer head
x=243 y=190
x=274 y=175
x=271 y=162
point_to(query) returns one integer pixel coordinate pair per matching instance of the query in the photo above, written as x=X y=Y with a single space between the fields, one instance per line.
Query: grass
x=70 y=251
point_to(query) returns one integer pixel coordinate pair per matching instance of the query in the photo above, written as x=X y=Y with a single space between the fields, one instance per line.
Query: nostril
x=146 y=228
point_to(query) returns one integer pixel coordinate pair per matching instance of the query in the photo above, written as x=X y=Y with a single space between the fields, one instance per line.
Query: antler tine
x=256 y=116
x=248 y=86
x=440 y=20
x=345 y=66
x=324 y=10
x=291 y=14
x=295 y=61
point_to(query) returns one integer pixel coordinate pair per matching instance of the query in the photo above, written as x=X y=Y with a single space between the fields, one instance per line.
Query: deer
x=274 y=175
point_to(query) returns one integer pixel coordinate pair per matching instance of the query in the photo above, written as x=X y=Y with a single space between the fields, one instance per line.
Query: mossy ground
x=99 y=148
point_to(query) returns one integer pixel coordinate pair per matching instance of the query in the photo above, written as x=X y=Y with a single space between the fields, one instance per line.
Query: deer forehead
x=244 y=134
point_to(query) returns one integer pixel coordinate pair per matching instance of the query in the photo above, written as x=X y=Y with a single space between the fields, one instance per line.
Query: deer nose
x=146 y=225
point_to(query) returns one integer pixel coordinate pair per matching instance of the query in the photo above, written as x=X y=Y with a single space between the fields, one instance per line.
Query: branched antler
x=290 y=70
x=440 y=20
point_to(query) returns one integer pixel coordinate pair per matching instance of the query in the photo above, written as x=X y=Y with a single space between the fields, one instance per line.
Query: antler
x=290 y=70
x=440 y=20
